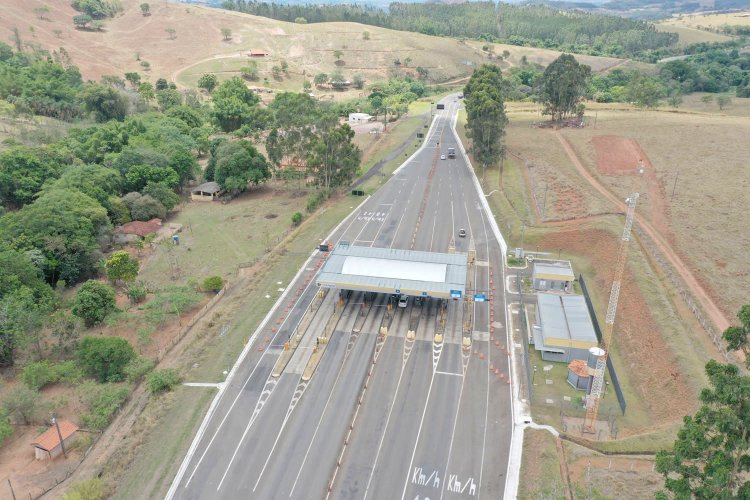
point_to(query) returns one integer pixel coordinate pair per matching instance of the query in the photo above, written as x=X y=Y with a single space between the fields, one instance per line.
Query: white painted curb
x=512 y=476
x=243 y=355
x=419 y=149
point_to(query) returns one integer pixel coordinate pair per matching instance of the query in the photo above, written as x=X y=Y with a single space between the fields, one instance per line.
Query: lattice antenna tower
x=597 y=387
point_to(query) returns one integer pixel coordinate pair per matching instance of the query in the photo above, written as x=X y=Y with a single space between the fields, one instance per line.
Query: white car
x=442 y=157
x=462 y=233
x=403 y=301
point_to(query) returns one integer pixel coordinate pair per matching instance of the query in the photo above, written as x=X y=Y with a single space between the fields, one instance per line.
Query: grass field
x=712 y=20
x=199 y=47
x=540 y=469
x=689 y=36
x=701 y=158
x=217 y=237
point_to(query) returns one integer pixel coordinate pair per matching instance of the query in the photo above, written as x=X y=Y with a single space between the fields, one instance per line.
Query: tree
x=337 y=54
x=104 y=102
x=644 y=91
x=121 y=267
x=320 y=79
x=226 y=33
x=208 y=81
x=81 y=20
x=296 y=218
x=365 y=35
x=105 y=358
x=65 y=227
x=171 y=33
x=145 y=9
x=335 y=157
x=238 y=164
x=23 y=403
x=140 y=175
x=233 y=104
x=23 y=171
x=250 y=72
x=163 y=380
x=485 y=114
x=562 y=86
x=133 y=78
x=723 y=101
x=711 y=456
x=213 y=284
x=358 y=82
x=144 y=207
x=300 y=20
x=306 y=86
x=737 y=337
x=161 y=192
x=146 y=91
x=422 y=72
x=97 y=181
x=94 y=301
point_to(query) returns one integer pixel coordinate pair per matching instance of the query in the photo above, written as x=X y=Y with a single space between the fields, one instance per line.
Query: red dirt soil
x=698 y=289
x=654 y=373
x=620 y=156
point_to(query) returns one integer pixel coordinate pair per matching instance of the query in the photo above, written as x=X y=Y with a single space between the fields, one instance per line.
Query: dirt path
x=714 y=313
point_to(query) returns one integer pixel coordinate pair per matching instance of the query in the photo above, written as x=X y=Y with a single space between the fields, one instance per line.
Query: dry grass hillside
x=694 y=28
x=197 y=45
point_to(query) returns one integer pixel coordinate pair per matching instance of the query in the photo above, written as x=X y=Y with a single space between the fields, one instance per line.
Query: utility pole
x=544 y=204
x=674 y=186
x=59 y=434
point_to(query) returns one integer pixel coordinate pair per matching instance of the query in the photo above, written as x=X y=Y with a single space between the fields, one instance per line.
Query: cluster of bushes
x=102 y=371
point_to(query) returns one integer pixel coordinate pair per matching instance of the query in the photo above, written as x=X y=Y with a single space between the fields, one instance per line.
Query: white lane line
x=320 y=420
x=489 y=360
x=449 y=373
x=393 y=240
x=385 y=429
x=453 y=434
x=416 y=443
x=226 y=415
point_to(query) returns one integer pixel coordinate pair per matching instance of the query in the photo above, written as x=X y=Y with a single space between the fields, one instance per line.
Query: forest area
x=523 y=25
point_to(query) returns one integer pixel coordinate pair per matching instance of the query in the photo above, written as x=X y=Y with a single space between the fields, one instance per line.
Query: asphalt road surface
x=383 y=417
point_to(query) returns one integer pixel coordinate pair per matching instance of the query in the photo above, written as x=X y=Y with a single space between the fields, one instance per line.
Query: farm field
x=689 y=36
x=703 y=21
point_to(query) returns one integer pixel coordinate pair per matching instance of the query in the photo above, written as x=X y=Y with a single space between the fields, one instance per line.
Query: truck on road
x=451 y=152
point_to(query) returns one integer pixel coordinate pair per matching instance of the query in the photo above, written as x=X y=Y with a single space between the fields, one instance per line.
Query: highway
x=383 y=416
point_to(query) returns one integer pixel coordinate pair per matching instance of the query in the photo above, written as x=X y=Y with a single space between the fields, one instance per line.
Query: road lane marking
x=421 y=423
x=449 y=373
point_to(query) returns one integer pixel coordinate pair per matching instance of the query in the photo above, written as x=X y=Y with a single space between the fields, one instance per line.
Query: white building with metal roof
x=563 y=330
x=553 y=275
x=388 y=270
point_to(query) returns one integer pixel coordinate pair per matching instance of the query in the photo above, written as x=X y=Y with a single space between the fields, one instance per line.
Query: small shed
x=136 y=230
x=48 y=444
x=359 y=118
x=257 y=53
x=553 y=275
x=578 y=375
x=208 y=191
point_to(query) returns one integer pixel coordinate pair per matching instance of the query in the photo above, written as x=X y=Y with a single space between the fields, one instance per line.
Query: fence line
x=687 y=297
x=598 y=331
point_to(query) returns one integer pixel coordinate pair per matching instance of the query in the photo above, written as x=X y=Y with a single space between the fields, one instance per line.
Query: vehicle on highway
x=442 y=157
x=451 y=152
x=403 y=301
x=462 y=233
